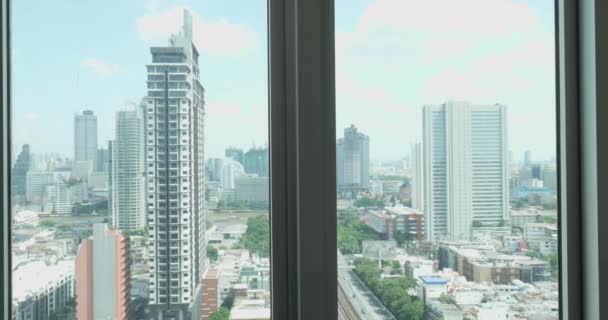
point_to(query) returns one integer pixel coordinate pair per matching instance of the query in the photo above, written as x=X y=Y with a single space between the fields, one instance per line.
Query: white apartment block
x=175 y=177
x=128 y=205
x=417 y=181
x=36 y=183
x=40 y=289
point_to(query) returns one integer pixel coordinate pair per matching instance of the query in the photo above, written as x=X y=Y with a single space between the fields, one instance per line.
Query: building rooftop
x=401 y=210
x=433 y=280
x=34 y=277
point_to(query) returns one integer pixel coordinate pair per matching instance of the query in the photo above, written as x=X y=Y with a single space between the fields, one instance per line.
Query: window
x=312 y=45
x=447 y=179
x=202 y=69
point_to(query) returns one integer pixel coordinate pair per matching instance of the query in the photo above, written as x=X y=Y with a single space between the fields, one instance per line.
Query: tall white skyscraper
x=465 y=169
x=175 y=177
x=85 y=137
x=417 y=176
x=352 y=161
x=127 y=174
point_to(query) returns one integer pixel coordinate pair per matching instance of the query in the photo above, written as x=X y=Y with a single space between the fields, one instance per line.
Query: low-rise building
x=390 y=220
x=252 y=188
x=482 y=263
x=521 y=218
x=64 y=194
x=103 y=275
x=25 y=218
x=36 y=183
x=211 y=295
x=541 y=237
x=40 y=289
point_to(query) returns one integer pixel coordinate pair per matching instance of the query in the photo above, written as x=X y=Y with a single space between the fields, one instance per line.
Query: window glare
x=445 y=160
x=140 y=172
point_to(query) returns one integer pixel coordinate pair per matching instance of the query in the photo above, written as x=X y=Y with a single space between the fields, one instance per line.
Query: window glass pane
x=446 y=170
x=140 y=177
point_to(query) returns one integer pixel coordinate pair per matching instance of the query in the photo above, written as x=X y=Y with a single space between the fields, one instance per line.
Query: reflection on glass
x=153 y=209
x=437 y=217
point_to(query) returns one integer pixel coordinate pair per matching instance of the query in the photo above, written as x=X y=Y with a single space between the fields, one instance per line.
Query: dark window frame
x=302 y=135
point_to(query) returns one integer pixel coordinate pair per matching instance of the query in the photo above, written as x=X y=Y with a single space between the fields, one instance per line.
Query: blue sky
x=393 y=56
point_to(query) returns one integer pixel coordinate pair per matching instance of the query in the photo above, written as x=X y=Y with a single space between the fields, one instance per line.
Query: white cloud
x=217 y=37
x=426 y=52
x=99 y=66
x=32 y=116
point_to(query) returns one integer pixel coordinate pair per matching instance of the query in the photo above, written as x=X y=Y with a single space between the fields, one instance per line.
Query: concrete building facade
x=175 y=177
x=103 y=276
x=352 y=161
x=252 y=188
x=128 y=209
x=417 y=181
x=85 y=137
x=465 y=169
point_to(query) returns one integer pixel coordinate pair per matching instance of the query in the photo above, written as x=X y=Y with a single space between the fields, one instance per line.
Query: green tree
x=221 y=314
x=212 y=253
x=554 y=263
x=550 y=205
x=228 y=302
x=369 y=202
x=391 y=292
x=47 y=224
x=257 y=237
x=352 y=232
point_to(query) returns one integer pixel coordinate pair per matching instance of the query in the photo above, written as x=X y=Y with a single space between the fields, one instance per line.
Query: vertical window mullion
x=302 y=130
x=568 y=160
x=5 y=219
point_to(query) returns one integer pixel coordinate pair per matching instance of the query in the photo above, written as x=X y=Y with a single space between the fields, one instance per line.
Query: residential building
x=255 y=161
x=25 y=218
x=103 y=275
x=465 y=169
x=235 y=154
x=211 y=295
x=481 y=263
x=20 y=170
x=252 y=188
x=375 y=188
x=128 y=209
x=82 y=169
x=417 y=181
x=85 y=137
x=36 y=183
x=542 y=237
x=41 y=289
x=408 y=220
x=352 y=161
x=522 y=218
x=390 y=220
x=64 y=194
x=103 y=160
x=175 y=177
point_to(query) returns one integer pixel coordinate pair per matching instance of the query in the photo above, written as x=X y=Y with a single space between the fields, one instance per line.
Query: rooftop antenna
x=187 y=27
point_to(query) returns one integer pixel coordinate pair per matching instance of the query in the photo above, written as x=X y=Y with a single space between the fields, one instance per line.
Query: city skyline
x=358 y=91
